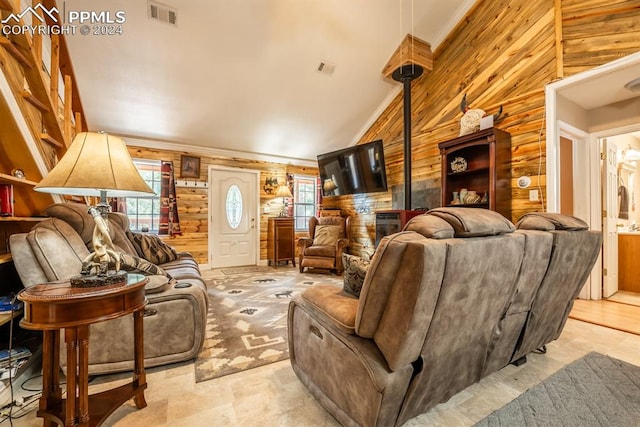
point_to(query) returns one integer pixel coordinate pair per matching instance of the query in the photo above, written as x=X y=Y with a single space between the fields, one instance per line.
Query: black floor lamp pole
x=406 y=74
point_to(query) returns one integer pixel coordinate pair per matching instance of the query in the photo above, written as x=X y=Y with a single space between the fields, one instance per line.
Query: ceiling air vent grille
x=162 y=12
x=326 y=67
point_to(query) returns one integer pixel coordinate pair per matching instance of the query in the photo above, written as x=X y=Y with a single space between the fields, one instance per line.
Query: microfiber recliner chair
x=328 y=238
x=176 y=312
x=459 y=294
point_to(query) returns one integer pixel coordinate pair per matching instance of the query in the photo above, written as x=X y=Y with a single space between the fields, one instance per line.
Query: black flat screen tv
x=354 y=170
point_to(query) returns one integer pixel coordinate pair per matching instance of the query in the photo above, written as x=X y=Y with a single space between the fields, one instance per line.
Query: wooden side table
x=52 y=306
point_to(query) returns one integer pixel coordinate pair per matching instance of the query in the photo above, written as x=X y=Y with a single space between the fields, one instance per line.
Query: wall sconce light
x=630 y=154
x=270 y=184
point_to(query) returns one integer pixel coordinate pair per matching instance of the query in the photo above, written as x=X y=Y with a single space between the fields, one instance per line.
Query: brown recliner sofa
x=456 y=296
x=328 y=238
x=176 y=312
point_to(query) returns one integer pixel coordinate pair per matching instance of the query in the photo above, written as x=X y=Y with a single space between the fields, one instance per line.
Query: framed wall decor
x=189 y=167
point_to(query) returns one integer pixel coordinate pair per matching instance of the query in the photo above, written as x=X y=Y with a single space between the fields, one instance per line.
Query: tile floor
x=272 y=395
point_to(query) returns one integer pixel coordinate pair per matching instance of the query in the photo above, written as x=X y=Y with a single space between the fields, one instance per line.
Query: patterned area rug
x=595 y=390
x=247 y=320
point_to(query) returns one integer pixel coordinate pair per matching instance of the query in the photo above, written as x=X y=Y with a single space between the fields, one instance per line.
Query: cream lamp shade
x=329 y=185
x=283 y=191
x=95 y=163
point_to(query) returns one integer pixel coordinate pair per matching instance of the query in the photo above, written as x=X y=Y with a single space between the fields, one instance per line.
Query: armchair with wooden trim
x=328 y=236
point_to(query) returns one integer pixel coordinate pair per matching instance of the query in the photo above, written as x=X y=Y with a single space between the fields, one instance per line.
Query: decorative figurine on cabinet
x=470 y=122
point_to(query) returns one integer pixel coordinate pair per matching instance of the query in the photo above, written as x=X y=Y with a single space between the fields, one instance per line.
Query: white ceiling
x=605 y=87
x=241 y=74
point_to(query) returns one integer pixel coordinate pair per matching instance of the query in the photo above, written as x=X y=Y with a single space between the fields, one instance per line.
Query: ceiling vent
x=326 y=67
x=162 y=12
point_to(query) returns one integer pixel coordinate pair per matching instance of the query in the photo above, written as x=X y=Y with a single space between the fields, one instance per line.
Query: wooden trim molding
x=216 y=152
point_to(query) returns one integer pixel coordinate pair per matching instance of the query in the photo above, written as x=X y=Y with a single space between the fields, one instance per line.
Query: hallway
x=612 y=314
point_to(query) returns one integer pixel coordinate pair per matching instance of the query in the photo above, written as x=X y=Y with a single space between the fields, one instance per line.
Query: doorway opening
x=580 y=127
x=620 y=187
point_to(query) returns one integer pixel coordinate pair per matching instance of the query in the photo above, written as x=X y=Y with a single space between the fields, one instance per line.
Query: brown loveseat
x=456 y=296
x=175 y=315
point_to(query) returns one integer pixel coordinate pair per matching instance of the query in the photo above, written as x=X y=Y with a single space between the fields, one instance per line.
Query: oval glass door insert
x=233 y=206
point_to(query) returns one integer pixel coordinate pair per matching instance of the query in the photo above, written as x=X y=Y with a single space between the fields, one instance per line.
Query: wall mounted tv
x=354 y=170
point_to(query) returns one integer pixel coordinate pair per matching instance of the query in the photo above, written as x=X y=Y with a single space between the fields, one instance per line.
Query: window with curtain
x=304 y=200
x=144 y=212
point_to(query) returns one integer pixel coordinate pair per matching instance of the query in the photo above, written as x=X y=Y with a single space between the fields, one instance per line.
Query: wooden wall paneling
x=598 y=31
x=559 y=39
x=476 y=62
x=500 y=53
x=500 y=78
x=193 y=203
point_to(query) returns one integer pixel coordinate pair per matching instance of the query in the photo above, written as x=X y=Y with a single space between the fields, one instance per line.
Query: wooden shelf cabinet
x=6 y=317
x=281 y=243
x=487 y=154
x=10 y=179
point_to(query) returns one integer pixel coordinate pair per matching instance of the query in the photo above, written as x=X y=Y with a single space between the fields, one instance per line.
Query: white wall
x=614 y=116
x=571 y=113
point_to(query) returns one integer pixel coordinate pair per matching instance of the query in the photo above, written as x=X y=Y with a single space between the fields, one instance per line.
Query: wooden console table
x=52 y=306
x=281 y=241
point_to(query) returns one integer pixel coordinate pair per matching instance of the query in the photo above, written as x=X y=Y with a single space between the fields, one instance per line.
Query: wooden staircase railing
x=37 y=124
x=59 y=119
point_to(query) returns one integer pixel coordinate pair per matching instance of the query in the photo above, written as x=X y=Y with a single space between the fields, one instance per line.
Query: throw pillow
x=152 y=248
x=355 y=270
x=327 y=235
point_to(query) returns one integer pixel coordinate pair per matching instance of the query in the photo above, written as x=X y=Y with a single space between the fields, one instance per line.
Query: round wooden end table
x=52 y=306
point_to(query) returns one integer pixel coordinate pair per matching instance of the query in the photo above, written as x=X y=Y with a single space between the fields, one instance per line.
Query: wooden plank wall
x=502 y=52
x=193 y=202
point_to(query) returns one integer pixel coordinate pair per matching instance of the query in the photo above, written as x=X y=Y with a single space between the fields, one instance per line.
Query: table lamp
x=328 y=186
x=96 y=164
x=284 y=192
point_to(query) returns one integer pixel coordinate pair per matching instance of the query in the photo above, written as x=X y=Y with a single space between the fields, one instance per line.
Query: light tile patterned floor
x=272 y=395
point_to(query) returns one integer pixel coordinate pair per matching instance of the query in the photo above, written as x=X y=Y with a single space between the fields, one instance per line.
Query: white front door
x=610 y=219
x=233 y=207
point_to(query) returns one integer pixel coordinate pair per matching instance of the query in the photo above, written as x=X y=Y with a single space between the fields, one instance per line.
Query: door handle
x=253 y=223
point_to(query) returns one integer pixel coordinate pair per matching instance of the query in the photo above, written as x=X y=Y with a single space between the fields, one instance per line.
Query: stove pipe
x=406 y=74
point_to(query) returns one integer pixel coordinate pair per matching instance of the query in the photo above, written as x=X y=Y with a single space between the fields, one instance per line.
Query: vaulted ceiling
x=242 y=74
